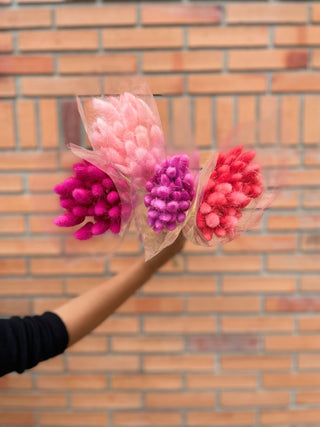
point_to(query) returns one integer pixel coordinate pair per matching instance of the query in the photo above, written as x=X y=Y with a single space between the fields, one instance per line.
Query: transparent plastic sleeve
x=163 y=200
x=236 y=186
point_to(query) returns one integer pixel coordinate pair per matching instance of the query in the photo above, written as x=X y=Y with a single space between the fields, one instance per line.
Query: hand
x=167 y=253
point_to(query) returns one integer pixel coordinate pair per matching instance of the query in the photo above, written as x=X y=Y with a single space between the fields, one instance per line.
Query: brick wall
x=218 y=338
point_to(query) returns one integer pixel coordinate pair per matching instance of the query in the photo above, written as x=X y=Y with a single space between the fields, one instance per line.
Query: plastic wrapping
x=164 y=199
x=235 y=188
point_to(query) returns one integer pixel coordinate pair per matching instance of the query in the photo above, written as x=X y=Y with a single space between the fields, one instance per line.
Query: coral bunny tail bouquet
x=165 y=193
x=232 y=185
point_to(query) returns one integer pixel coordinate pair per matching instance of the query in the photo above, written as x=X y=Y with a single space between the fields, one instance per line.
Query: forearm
x=83 y=314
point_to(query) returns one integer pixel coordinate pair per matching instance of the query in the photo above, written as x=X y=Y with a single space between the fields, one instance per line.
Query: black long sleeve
x=24 y=342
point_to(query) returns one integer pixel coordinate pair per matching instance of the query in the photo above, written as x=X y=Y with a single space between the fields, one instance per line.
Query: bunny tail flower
x=90 y=193
x=232 y=198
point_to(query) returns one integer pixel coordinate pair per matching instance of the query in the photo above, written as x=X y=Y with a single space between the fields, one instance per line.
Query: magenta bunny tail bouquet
x=235 y=189
x=90 y=198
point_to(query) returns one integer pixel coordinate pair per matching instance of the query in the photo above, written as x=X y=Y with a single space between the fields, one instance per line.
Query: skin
x=84 y=313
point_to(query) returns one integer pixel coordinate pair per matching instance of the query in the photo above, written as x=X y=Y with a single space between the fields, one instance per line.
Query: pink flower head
x=232 y=185
x=90 y=193
x=126 y=133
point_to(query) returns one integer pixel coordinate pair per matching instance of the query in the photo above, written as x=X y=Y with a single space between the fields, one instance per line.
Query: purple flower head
x=90 y=193
x=169 y=193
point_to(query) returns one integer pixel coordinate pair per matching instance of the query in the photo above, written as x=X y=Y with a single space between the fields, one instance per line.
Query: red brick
x=294 y=222
x=16 y=382
x=295 y=263
x=223 y=343
x=310 y=284
x=309 y=361
x=256 y=398
x=15 y=418
x=171 y=14
x=12 y=266
x=227 y=83
x=81 y=419
x=223 y=263
x=142 y=38
x=152 y=305
x=145 y=418
x=25 y=18
x=12 y=161
x=33 y=400
x=292 y=304
x=29 y=246
x=256 y=363
x=256 y=324
x=289 y=132
x=14 y=307
x=59 y=86
x=27 y=123
x=57 y=40
x=146 y=382
x=6 y=44
x=224 y=120
x=32 y=286
x=228 y=36
x=221 y=381
x=96 y=16
x=181 y=285
x=78 y=266
x=309 y=324
x=103 y=363
x=286 y=200
x=297 y=36
x=180 y=400
x=284 y=417
x=308 y=397
x=267 y=59
x=97 y=64
x=262 y=243
x=147 y=345
x=182 y=61
x=203 y=125
x=45 y=181
x=291 y=380
x=7 y=87
x=179 y=325
x=291 y=343
x=127 y=325
x=251 y=13
x=7 y=125
x=310 y=242
x=220 y=419
x=285 y=157
x=268 y=126
x=223 y=304
x=296 y=82
x=187 y=362
x=48 y=123
x=90 y=344
x=27 y=204
x=311 y=111
x=312 y=158
x=20 y=64
x=257 y=284
x=315 y=61
x=246 y=118
x=99 y=246
x=106 y=400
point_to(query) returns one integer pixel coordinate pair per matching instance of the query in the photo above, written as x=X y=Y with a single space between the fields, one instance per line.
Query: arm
x=84 y=313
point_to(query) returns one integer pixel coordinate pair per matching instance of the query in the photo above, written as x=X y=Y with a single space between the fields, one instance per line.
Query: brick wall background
x=218 y=338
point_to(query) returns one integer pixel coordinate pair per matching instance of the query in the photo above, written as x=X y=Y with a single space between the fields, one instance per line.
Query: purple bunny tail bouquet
x=170 y=193
x=89 y=198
